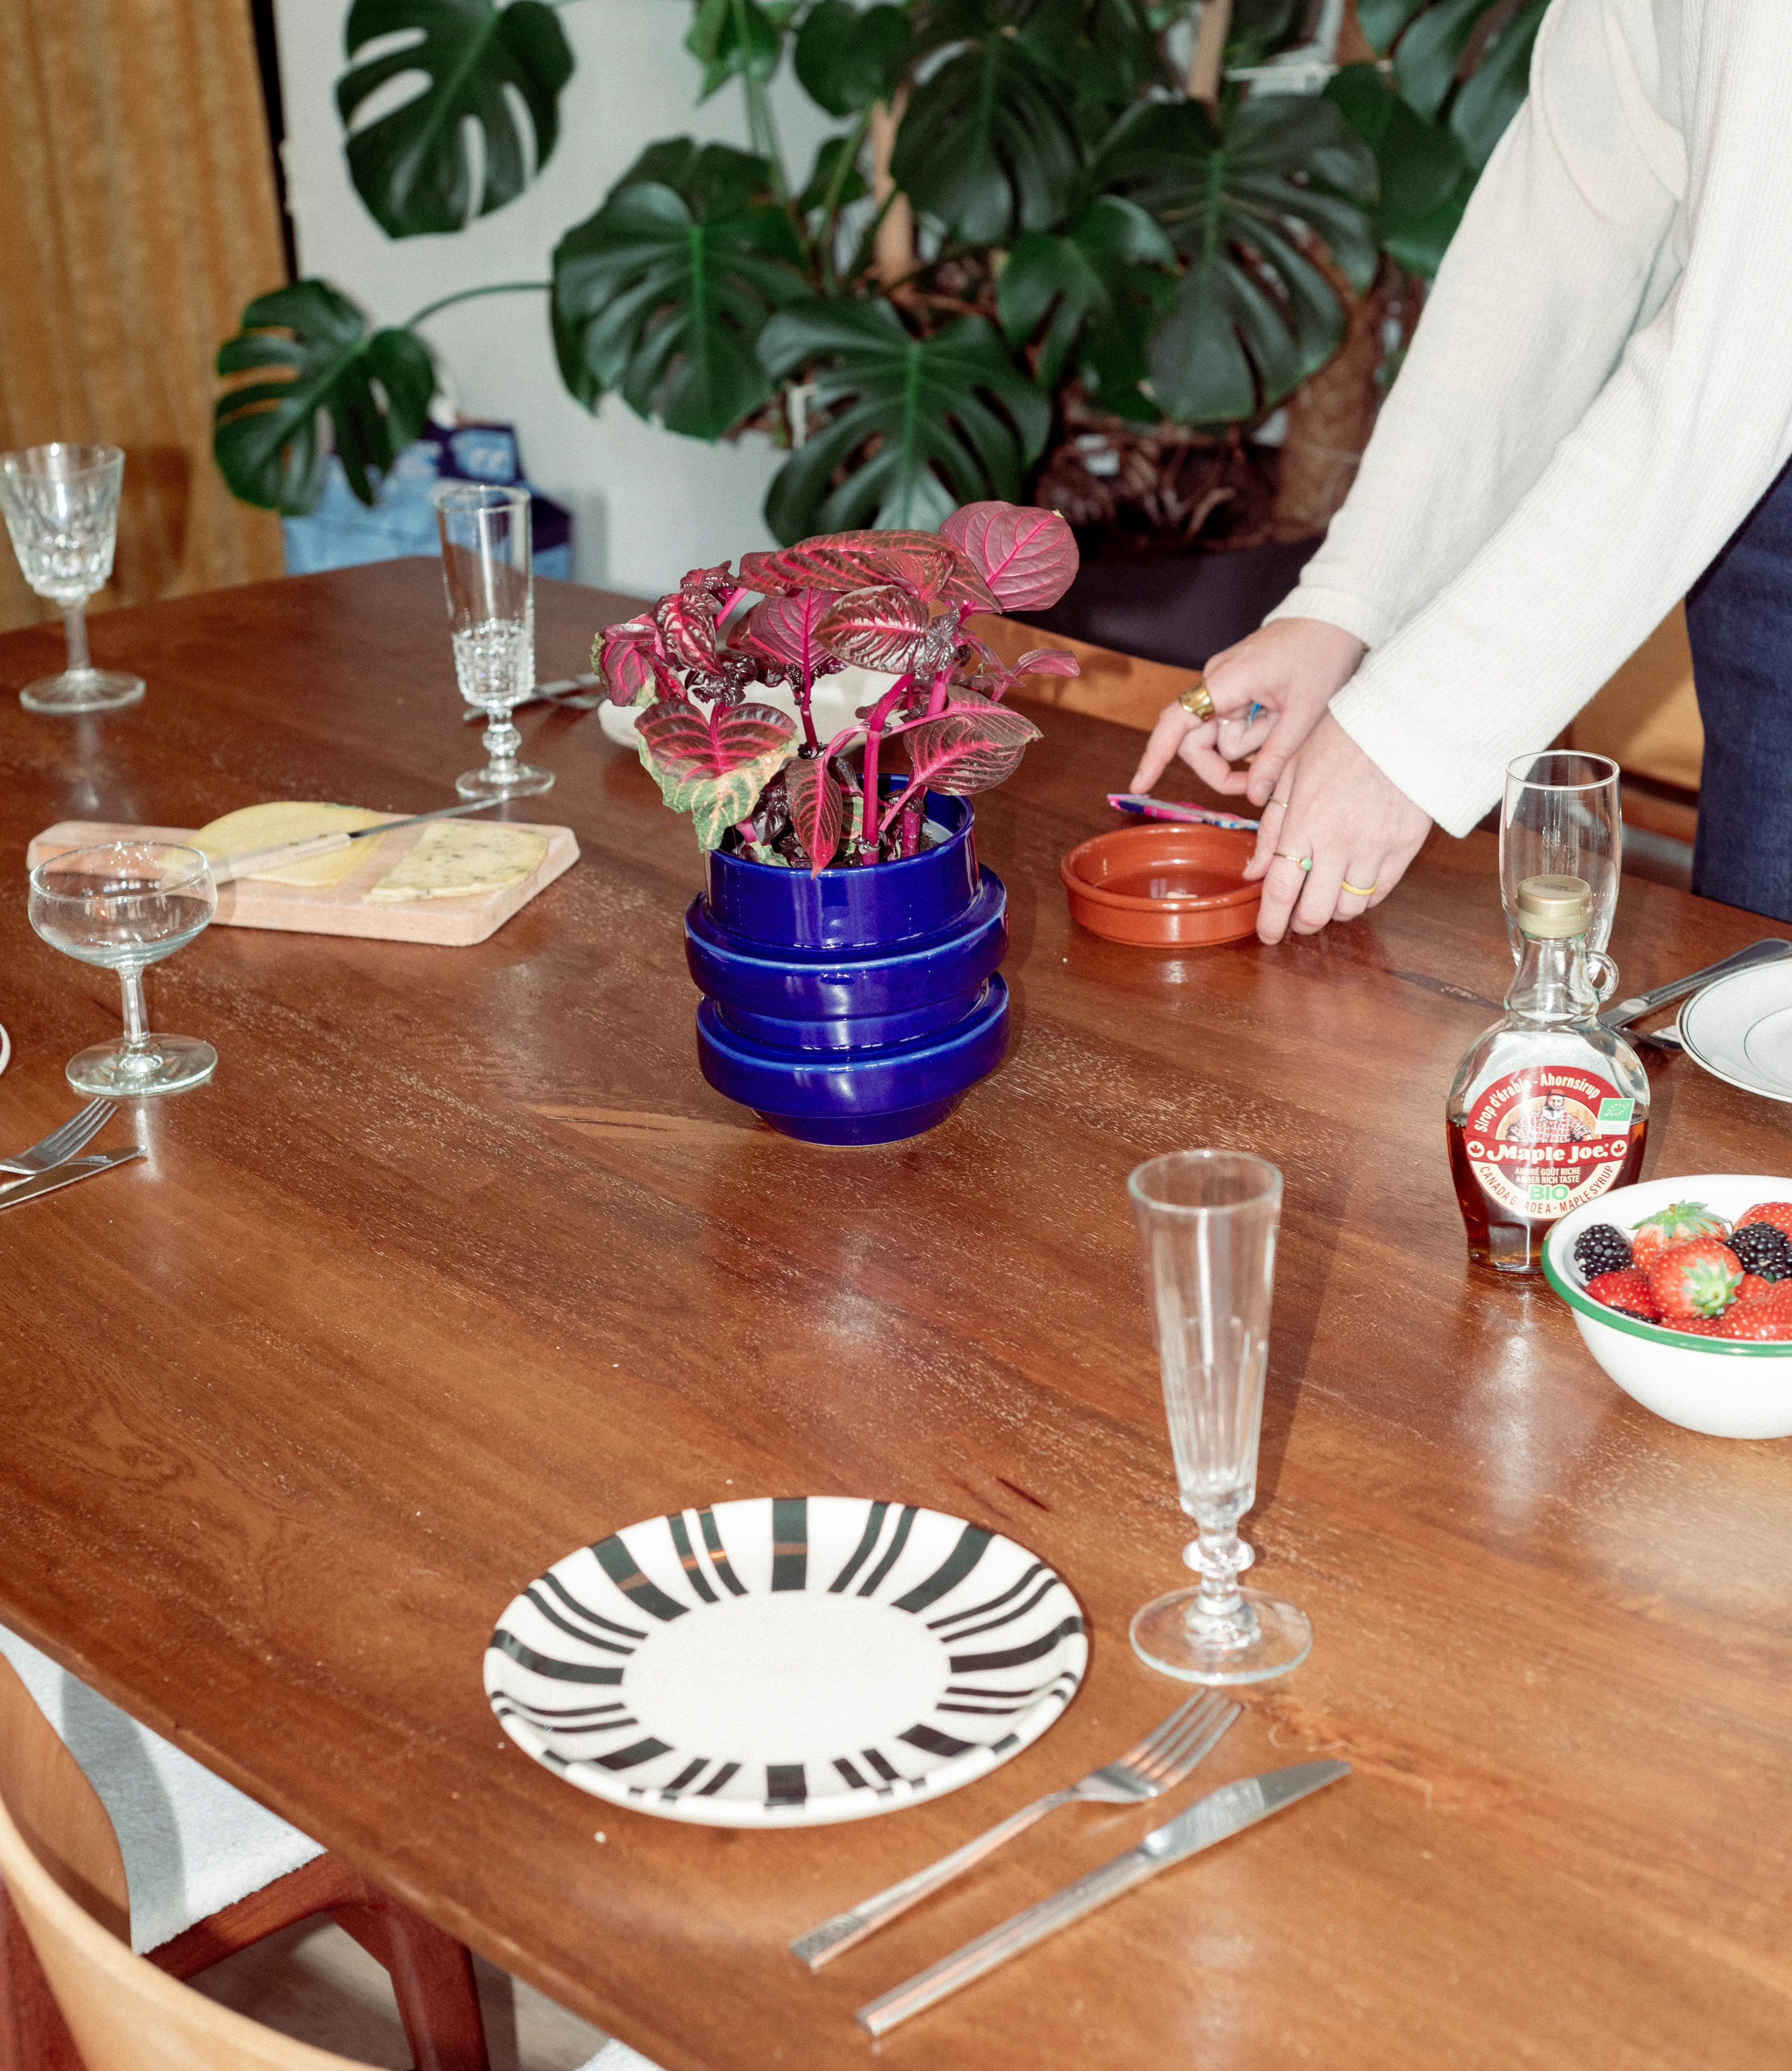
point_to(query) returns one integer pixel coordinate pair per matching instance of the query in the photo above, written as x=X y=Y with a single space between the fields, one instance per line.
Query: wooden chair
x=65 y=1916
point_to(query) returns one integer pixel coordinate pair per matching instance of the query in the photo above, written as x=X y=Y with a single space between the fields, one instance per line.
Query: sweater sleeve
x=1578 y=443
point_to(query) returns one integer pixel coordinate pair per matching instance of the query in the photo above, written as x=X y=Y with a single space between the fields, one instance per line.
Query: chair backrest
x=60 y=1865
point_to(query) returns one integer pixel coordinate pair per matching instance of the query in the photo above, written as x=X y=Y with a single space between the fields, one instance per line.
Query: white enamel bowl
x=1728 y=1390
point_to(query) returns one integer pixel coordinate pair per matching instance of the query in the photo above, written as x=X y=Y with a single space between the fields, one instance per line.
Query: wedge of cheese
x=454 y=858
x=268 y=827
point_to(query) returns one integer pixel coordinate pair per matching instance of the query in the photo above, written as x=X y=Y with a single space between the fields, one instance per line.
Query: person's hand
x=1359 y=828
x=1292 y=668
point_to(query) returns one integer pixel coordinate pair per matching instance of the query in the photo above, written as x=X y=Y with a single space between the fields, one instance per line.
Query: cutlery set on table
x=56 y=1161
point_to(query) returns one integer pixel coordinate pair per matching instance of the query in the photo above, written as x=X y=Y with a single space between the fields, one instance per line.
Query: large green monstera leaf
x=1432 y=37
x=923 y=425
x=411 y=166
x=374 y=387
x=1426 y=178
x=1097 y=287
x=1253 y=316
x=989 y=146
x=660 y=295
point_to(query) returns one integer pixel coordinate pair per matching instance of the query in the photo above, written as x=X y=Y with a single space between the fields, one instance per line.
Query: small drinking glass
x=1207 y=1223
x=1561 y=818
x=491 y=606
x=61 y=507
x=127 y=905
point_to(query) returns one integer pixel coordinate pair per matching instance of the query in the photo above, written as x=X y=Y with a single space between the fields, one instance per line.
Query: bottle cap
x=1551 y=908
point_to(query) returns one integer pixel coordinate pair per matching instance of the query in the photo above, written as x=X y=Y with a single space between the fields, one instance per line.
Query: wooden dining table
x=459 y=1264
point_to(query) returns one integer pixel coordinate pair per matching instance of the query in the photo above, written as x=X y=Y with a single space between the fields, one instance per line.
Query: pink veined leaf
x=687 y=623
x=1046 y=661
x=885 y=627
x=1027 y=556
x=968 y=748
x=922 y=563
x=784 y=628
x=626 y=659
x=817 y=807
x=715 y=582
x=714 y=764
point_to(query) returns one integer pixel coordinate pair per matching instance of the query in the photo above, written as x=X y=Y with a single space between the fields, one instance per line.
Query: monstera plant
x=1025 y=206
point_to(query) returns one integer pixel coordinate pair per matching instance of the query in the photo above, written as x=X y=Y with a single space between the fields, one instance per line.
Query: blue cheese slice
x=455 y=859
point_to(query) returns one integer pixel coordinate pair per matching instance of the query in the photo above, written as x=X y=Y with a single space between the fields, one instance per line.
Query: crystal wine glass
x=61 y=506
x=491 y=606
x=1206 y=1222
x=127 y=905
x=1561 y=818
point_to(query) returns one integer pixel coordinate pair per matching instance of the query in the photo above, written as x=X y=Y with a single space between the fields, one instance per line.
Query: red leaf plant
x=891 y=602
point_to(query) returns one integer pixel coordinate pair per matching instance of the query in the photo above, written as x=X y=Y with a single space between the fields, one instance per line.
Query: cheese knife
x=66 y=1176
x=301 y=851
x=1219 y=1814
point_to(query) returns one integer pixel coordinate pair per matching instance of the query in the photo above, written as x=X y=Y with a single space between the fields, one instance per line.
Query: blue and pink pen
x=1145 y=807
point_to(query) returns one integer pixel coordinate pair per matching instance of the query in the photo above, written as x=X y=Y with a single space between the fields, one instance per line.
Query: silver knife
x=301 y=851
x=67 y=1176
x=1219 y=1814
x=1770 y=948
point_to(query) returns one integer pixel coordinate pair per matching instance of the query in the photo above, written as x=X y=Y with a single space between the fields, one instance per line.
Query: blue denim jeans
x=1739 y=614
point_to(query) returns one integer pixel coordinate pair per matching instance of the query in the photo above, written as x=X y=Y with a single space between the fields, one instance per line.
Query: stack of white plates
x=1741 y=1030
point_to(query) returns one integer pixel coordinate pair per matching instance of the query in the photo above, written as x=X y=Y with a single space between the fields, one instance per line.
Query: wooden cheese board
x=340 y=909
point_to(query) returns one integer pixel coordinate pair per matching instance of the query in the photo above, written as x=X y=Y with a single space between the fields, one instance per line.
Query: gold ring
x=1305 y=861
x=1195 y=699
x=1282 y=802
x=1358 y=890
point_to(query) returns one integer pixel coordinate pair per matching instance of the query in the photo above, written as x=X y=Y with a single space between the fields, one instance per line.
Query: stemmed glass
x=1561 y=818
x=127 y=905
x=61 y=507
x=1207 y=1223
x=491 y=606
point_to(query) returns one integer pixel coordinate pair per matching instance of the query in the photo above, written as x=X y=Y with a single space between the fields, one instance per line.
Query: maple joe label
x=1544 y=1142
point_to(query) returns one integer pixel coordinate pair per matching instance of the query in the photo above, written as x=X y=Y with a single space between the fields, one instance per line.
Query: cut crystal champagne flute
x=127 y=905
x=1561 y=818
x=1207 y=1223
x=490 y=584
x=61 y=506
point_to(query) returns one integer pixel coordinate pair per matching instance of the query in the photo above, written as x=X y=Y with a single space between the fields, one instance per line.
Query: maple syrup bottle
x=1548 y=1110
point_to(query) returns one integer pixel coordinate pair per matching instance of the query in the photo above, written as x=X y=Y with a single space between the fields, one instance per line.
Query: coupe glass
x=127 y=905
x=491 y=606
x=1206 y=1222
x=1561 y=818
x=61 y=507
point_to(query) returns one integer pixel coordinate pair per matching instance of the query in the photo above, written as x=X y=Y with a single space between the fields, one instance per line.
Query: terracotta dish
x=1163 y=886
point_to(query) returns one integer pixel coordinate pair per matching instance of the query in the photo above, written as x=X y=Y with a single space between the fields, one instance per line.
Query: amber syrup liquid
x=1499 y=1238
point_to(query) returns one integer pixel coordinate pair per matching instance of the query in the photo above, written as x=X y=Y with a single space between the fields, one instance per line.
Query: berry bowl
x=1727 y=1388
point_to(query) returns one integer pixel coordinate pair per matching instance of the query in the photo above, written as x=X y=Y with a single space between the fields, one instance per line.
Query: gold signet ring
x=1195 y=699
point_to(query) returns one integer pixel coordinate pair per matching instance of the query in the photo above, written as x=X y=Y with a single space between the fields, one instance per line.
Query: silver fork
x=61 y=1144
x=1158 y=1763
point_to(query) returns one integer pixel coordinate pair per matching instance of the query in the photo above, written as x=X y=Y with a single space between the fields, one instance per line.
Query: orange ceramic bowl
x=1168 y=884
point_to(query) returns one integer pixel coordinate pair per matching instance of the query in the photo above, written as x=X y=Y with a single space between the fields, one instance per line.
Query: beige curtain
x=137 y=217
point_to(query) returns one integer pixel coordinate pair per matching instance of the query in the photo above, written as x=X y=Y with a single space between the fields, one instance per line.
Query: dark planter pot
x=858 y=1005
x=1178 y=611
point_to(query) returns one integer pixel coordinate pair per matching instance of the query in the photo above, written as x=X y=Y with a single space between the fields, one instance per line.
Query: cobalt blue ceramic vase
x=857 y=1005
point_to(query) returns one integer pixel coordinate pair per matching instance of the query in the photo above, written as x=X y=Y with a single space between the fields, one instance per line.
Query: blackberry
x=1601 y=1249
x=1764 y=1250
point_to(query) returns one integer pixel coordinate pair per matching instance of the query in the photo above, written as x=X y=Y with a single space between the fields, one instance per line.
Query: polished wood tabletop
x=459 y=1264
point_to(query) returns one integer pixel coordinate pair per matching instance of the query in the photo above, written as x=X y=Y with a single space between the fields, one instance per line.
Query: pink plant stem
x=874 y=734
x=936 y=701
x=803 y=696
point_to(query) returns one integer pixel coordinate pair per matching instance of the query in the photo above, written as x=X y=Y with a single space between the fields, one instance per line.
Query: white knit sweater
x=1598 y=392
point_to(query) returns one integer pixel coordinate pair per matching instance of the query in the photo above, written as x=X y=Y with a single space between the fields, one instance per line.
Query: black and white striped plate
x=786 y=1663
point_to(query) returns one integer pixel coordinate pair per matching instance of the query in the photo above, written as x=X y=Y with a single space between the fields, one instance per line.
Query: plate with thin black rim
x=786 y=1661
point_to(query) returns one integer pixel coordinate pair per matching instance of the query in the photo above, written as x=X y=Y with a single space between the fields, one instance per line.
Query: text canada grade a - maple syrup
x=1503 y=1234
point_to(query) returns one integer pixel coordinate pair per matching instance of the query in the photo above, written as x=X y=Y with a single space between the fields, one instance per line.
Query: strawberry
x=1696 y=1279
x=1753 y=1285
x=1676 y=1224
x=1626 y=1290
x=1768 y=1317
x=1778 y=1213
x=1698 y=1326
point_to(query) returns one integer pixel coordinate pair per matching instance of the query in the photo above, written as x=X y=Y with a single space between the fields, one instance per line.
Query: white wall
x=648 y=504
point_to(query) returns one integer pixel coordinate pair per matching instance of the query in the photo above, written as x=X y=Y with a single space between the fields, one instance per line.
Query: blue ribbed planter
x=855 y=1007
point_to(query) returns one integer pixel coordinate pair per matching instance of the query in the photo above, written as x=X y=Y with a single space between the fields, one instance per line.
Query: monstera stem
x=471 y=294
